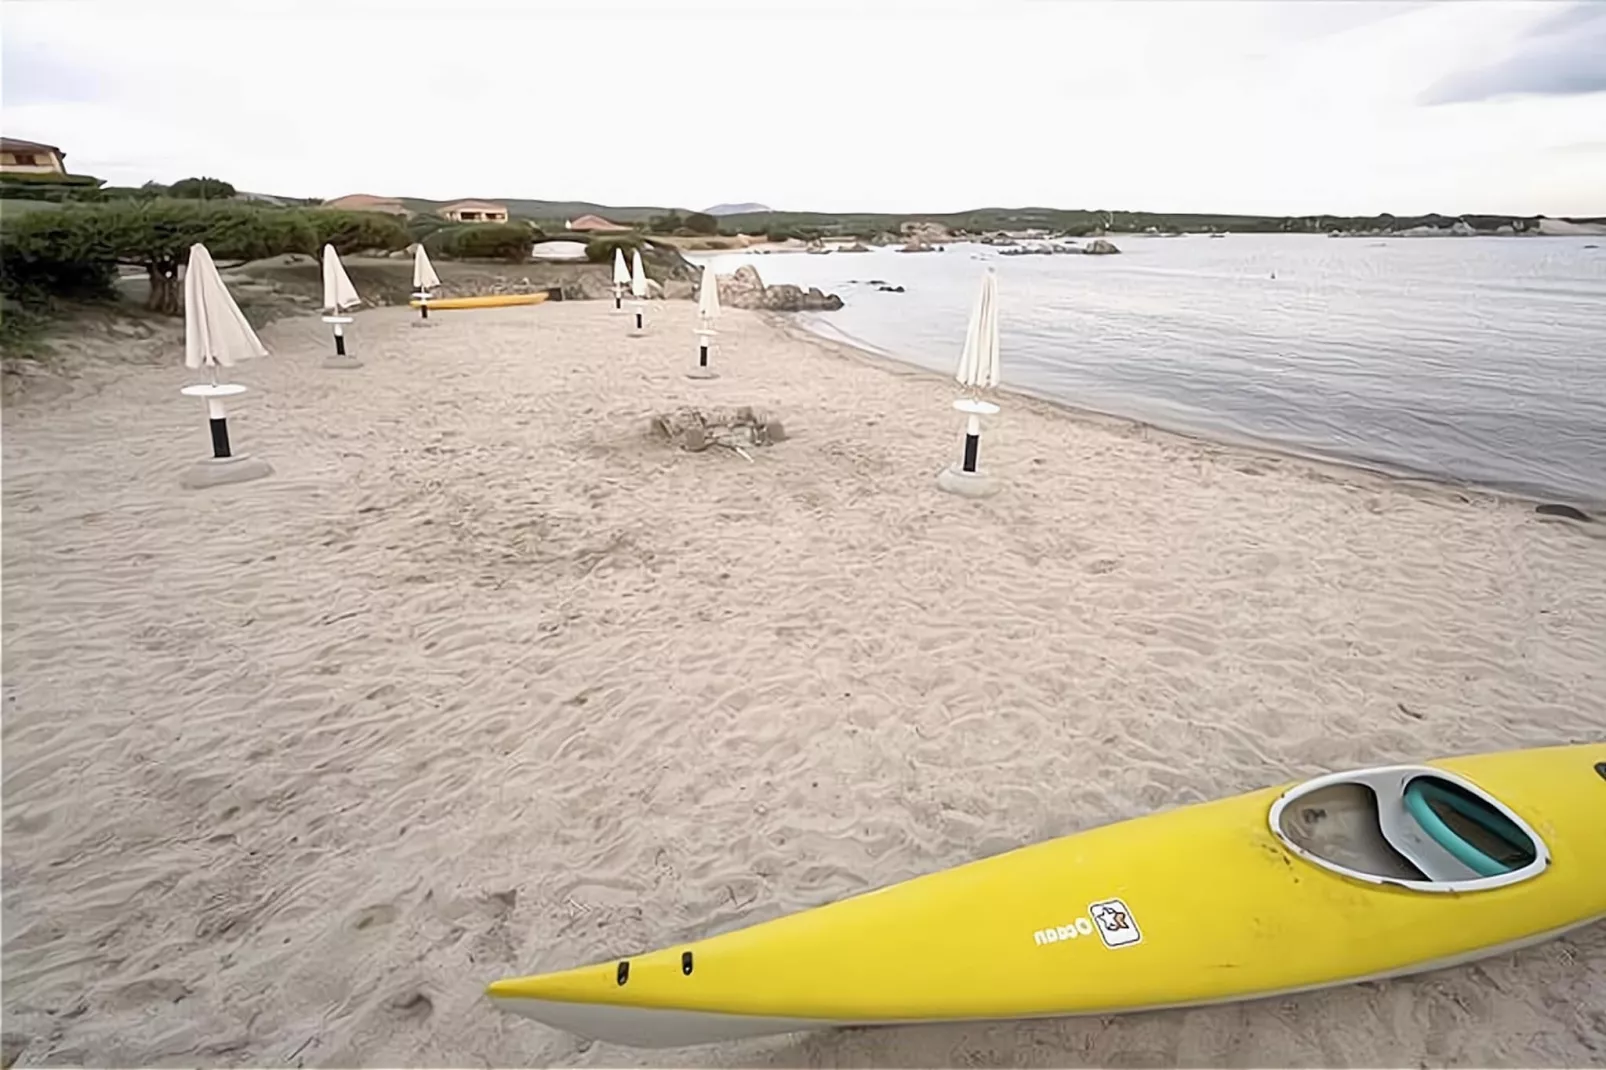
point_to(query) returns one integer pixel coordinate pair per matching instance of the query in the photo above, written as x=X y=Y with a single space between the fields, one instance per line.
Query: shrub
x=600 y=250
x=56 y=188
x=201 y=189
x=61 y=250
x=424 y=224
x=667 y=223
x=351 y=232
x=702 y=223
x=491 y=241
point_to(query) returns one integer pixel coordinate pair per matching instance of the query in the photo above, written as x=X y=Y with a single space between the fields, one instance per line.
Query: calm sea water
x=1474 y=360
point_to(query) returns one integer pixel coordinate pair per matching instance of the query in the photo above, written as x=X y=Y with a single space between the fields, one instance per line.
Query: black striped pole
x=218 y=418
x=972 y=444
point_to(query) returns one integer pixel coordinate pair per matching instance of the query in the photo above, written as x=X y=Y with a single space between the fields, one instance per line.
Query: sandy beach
x=486 y=680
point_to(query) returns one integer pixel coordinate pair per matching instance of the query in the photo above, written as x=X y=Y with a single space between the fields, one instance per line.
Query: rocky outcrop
x=856 y=247
x=884 y=288
x=1099 y=247
x=917 y=246
x=745 y=289
x=921 y=232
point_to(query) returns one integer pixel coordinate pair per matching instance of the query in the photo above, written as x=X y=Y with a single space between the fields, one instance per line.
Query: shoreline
x=1327 y=467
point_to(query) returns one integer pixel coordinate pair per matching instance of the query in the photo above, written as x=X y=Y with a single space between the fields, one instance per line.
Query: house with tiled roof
x=19 y=157
x=474 y=212
x=594 y=223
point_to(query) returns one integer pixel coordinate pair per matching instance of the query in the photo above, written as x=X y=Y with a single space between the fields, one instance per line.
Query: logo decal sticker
x=1115 y=924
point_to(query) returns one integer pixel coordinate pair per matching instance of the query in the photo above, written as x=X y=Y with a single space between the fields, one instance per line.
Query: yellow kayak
x=488 y=301
x=1347 y=877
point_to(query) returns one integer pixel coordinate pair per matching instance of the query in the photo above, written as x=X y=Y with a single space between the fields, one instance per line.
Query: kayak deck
x=1191 y=906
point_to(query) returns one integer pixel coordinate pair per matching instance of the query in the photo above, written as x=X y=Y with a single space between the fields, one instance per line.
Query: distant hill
x=745 y=208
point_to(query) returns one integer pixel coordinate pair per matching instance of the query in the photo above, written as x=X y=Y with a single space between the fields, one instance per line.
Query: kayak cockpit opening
x=1413 y=826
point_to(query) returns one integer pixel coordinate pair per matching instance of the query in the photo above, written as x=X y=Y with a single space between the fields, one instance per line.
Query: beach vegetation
x=352 y=232
x=488 y=241
x=201 y=189
x=702 y=224
x=79 y=247
x=600 y=250
x=667 y=223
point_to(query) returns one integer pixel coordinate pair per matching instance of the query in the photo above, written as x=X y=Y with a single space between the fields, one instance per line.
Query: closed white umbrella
x=338 y=295
x=621 y=277
x=638 y=276
x=424 y=280
x=338 y=292
x=424 y=277
x=708 y=297
x=978 y=361
x=707 y=313
x=638 y=290
x=216 y=335
x=979 y=369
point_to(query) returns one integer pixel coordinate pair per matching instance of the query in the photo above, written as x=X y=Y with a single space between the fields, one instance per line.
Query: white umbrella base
x=956 y=480
x=217 y=471
x=342 y=362
x=702 y=373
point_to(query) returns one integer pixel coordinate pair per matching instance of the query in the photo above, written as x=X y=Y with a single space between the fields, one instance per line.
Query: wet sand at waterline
x=484 y=680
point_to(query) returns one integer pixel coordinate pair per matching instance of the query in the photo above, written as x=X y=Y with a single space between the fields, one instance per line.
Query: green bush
x=201 y=189
x=60 y=251
x=490 y=241
x=424 y=224
x=56 y=188
x=702 y=223
x=667 y=223
x=600 y=250
x=351 y=232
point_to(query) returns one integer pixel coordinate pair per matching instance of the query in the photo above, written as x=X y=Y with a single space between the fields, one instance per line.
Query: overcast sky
x=1284 y=108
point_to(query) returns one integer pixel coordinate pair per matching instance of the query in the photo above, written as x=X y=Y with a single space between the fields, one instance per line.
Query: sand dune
x=485 y=680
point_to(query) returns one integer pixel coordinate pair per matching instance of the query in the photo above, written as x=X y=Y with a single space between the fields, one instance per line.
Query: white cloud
x=1277 y=108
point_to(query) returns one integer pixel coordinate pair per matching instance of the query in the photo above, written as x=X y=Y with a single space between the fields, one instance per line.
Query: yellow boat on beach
x=488 y=301
x=1342 y=878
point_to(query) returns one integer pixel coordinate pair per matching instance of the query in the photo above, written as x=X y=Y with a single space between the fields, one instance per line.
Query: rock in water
x=745 y=289
x=1099 y=247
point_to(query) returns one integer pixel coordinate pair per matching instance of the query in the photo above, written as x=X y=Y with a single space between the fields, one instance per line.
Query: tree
x=667 y=223
x=201 y=189
x=155 y=235
x=351 y=232
x=702 y=223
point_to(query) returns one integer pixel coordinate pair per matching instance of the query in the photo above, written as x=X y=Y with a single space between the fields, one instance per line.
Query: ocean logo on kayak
x=1115 y=924
x=1056 y=933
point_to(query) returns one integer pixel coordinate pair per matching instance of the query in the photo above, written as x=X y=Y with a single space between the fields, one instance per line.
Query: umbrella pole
x=972 y=444
x=340 y=341
x=218 y=418
x=618 y=297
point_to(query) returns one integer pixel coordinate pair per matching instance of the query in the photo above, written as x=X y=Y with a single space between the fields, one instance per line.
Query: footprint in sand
x=410 y=1005
x=370 y=917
